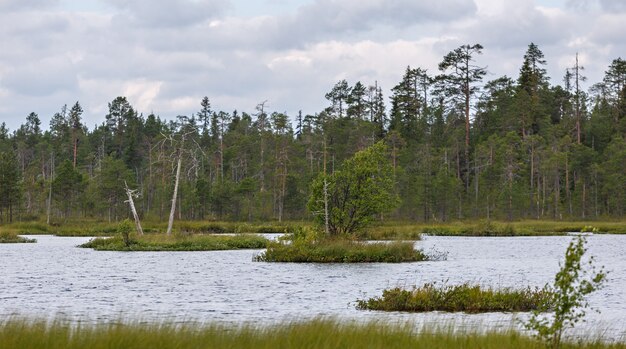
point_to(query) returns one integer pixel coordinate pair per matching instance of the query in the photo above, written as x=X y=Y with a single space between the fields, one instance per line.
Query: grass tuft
x=467 y=298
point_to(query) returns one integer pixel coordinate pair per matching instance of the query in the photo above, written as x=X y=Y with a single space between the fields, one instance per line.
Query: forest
x=524 y=147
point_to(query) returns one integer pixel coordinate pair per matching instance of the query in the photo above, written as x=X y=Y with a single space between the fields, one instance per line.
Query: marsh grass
x=100 y=228
x=396 y=232
x=403 y=231
x=341 y=251
x=8 y=237
x=315 y=334
x=387 y=231
x=467 y=298
x=162 y=242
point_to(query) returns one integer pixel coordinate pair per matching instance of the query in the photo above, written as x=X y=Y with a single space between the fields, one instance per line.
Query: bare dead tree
x=177 y=158
x=132 y=194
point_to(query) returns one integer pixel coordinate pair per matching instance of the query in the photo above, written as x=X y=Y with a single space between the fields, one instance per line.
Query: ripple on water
x=59 y=279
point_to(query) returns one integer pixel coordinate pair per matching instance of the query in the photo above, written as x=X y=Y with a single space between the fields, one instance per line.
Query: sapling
x=125 y=227
x=573 y=282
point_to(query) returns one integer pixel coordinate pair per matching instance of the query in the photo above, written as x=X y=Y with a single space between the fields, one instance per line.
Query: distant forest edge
x=461 y=148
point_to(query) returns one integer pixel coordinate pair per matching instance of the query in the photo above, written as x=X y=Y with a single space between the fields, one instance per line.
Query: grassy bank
x=387 y=231
x=100 y=228
x=318 y=334
x=461 y=298
x=8 y=237
x=162 y=242
x=397 y=230
x=341 y=251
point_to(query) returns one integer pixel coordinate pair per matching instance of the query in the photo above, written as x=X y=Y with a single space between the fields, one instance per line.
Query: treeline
x=460 y=147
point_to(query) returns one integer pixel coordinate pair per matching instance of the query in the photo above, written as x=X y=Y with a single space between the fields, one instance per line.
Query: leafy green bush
x=466 y=298
x=349 y=199
x=574 y=281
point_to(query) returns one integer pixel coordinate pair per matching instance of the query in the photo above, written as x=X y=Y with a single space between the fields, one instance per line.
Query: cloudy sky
x=165 y=55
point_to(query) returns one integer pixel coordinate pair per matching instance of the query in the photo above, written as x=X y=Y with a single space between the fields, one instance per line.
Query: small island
x=344 y=204
x=7 y=237
x=128 y=241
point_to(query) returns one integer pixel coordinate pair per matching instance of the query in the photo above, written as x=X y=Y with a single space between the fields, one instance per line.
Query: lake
x=53 y=278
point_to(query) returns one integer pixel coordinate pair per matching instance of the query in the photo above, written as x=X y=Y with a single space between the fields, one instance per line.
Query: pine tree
x=461 y=85
x=10 y=185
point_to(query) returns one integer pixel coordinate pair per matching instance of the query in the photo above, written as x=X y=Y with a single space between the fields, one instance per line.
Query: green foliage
x=511 y=153
x=68 y=185
x=318 y=334
x=125 y=228
x=360 y=190
x=178 y=242
x=574 y=281
x=460 y=298
x=10 y=185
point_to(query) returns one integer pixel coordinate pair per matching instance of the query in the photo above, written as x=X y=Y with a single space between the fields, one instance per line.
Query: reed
x=318 y=334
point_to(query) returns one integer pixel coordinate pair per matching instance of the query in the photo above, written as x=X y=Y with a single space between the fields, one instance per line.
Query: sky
x=164 y=56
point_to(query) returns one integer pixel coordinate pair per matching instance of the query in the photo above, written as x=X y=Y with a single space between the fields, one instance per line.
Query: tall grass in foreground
x=162 y=242
x=316 y=334
x=460 y=298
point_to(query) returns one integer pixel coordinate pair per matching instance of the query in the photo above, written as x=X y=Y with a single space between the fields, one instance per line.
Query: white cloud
x=142 y=92
x=19 y=5
x=172 y=13
x=164 y=56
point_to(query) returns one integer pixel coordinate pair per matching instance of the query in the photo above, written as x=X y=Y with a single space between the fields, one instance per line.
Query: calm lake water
x=54 y=278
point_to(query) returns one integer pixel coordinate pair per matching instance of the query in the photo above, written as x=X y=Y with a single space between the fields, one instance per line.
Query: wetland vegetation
x=532 y=151
x=341 y=251
x=8 y=237
x=163 y=242
x=469 y=298
x=318 y=334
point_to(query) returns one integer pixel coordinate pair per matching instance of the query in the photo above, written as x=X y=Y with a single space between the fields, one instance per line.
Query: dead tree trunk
x=49 y=203
x=326 y=223
x=131 y=202
x=170 y=223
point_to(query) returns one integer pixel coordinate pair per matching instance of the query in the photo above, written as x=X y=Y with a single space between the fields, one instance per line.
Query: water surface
x=54 y=278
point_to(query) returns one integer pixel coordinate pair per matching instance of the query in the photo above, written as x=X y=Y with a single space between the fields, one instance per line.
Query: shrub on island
x=466 y=297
